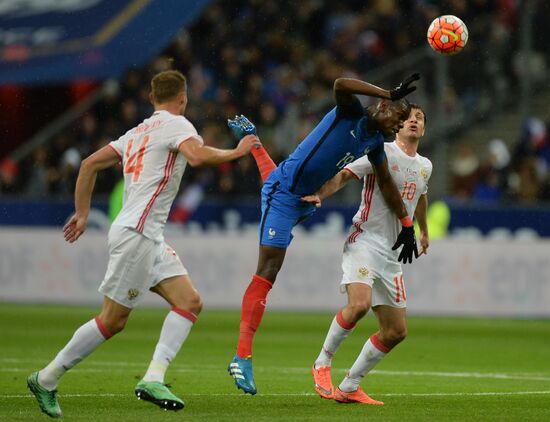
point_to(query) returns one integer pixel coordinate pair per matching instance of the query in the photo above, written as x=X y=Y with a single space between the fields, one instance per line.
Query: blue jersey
x=331 y=145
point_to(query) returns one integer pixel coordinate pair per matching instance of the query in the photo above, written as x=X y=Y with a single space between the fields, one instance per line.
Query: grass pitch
x=447 y=369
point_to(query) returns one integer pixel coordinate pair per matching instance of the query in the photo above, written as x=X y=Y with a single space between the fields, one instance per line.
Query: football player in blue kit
x=346 y=133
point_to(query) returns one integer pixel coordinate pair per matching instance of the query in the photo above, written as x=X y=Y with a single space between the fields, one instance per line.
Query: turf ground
x=447 y=369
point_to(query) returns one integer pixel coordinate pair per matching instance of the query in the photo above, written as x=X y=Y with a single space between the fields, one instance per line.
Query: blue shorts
x=281 y=211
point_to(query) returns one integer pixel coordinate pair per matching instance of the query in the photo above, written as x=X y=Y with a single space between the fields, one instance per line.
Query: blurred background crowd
x=276 y=62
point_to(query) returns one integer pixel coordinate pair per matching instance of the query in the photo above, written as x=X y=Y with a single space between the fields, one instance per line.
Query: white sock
x=339 y=330
x=84 y=341
x=373 y=352
x=175 y=330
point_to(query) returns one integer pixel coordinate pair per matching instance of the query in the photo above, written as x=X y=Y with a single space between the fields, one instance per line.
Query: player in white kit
x=153 y=155
x=373 y=277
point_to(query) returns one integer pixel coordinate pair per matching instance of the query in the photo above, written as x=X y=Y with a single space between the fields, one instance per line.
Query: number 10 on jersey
x=409 y=190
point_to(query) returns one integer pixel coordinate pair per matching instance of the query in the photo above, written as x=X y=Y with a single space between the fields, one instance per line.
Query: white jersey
x=152 y=170
x=375 y=223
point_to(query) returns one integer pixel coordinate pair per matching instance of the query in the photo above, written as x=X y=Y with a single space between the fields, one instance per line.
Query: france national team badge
x=271 y=233
x=133 y=293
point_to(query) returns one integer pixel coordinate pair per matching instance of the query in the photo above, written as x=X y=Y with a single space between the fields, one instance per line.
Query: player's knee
x=359 y=309
x=269 y=270
x=191 y=303
x=195 y=305
x=397 y=335
x=115 y=325
x=270 y=262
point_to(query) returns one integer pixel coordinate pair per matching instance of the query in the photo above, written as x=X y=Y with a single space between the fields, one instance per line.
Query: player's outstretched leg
x=241 y=370
x=47 y=400
x=357 y=396
x=158 y=393
x=263 y=161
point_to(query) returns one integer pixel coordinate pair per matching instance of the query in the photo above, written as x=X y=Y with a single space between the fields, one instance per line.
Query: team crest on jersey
x=132 y=294
x=363 y=271
x=424 y=173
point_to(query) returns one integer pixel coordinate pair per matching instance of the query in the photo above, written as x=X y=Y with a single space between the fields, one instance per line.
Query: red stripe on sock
x=102 y=329
x=186 y=314
x=252 y=311
x=379 y=345
x=342 y=322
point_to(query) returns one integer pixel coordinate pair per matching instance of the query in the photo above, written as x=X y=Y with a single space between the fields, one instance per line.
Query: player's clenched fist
x=314 y=200
x=246 y=144
x=74 y=228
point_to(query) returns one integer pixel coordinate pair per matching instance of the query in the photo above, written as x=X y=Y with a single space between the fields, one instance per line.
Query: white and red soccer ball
x=447 y=35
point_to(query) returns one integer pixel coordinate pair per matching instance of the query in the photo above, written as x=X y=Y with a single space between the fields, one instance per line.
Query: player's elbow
x=339 y=84
x=195 y=160
x=89 y=165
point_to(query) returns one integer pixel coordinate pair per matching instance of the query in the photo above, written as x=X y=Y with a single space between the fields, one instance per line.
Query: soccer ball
x=447 y=35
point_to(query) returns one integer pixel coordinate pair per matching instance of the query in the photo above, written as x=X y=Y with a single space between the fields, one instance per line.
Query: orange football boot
x=323 y=381
x=357 y=396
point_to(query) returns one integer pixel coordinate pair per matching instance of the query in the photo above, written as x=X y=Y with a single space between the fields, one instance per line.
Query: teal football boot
x=241 y=370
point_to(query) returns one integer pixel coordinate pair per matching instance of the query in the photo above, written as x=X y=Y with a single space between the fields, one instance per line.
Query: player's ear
x=383 y=106
x=151 y=98
x=181 y=97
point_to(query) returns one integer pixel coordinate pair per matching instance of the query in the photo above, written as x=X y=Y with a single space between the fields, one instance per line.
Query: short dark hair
x=417 y=107
x=167 y=85
x=402 y=105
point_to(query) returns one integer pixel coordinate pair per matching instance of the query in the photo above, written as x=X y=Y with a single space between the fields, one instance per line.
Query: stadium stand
x=242 y=57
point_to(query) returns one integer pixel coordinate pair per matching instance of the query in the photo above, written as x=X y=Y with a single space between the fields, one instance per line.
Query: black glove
x=408 y=240
x=404 y=89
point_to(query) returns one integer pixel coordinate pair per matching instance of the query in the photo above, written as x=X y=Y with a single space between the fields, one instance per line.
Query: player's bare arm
x=421 y=213
x=389 y=190
x=345 y=88
x=199 y=155
x=329 y=188
x=99 y=160
x=391 y=195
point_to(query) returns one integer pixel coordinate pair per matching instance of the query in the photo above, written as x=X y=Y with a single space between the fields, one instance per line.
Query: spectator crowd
x=275 y=61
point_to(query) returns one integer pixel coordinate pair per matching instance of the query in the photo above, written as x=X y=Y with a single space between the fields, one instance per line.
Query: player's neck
x=408 y=146
x=172 y=108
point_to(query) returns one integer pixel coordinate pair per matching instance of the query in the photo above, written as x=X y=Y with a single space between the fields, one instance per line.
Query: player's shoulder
x=391 y=148
x=125 y=136
x=176 y=122
x=424 y=161
x=425 y=165
x=174 y=118
x=351 y=110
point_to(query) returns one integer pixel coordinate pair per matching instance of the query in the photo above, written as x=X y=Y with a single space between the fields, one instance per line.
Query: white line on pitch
x=123 y=366
x=484 y=393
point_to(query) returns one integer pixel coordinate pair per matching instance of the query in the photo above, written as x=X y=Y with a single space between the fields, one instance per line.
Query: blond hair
x=166 y=85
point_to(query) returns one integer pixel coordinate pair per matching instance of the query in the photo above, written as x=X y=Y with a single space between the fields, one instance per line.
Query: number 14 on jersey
x=134 y=161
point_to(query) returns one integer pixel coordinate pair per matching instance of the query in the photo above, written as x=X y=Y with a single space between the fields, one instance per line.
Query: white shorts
x=363 y=264
x=136 y=263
